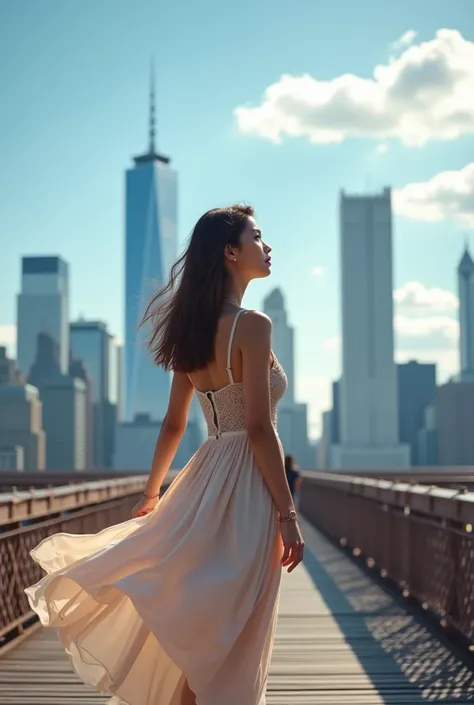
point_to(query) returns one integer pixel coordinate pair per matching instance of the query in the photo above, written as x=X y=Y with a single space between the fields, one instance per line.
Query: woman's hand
x=293 y=544
x=144 y=506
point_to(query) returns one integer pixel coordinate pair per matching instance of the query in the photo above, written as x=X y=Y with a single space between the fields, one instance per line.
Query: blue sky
x=74 y=112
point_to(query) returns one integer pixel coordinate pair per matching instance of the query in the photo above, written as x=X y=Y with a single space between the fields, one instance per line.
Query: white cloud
x=317 y=271
x=405 y=40
x=8 y=338
x=429 y=332
x=425 y=93
x=418 y=298
x=447 y=195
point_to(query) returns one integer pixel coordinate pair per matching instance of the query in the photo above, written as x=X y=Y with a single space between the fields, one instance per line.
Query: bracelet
x=292 y=516
x=151 y=496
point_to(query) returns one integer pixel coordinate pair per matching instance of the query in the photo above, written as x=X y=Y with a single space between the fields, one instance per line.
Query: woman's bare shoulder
x=255 y=325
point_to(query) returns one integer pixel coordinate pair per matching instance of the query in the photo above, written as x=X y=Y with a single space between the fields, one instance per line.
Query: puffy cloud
x=416 y=333
x=428 y=332
x=405 y=40
x=425 y=93
x=447 y=195
x=418 y=298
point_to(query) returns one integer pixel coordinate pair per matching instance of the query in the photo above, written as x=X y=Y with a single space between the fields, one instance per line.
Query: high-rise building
x=466 y=314
x=150 y=250
x=427 y=439
x=8 y=372
x=93 y=344
x=43 y=307
x=64 y=401
x=90 y=342
x=416 y=384
x=282 y=340
x=77 y=370
x=292 y=416
x=368 y=393
x=454 y=423
x=22 y=439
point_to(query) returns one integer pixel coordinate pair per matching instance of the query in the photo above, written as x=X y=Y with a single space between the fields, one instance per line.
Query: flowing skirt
x=189 y=592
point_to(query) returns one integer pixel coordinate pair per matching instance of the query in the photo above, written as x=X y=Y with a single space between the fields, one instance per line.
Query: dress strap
x=231 y=340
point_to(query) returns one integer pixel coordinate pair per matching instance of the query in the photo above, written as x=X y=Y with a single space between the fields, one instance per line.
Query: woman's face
x=253 y=259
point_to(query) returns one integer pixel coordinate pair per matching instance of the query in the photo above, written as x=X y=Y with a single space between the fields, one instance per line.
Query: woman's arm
x=172 y=431
x=256 y=355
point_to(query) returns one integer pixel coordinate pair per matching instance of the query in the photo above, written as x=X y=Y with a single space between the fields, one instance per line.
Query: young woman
x=178 y=605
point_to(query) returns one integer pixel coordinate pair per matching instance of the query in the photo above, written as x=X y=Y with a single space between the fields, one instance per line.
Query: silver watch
x=291 y=516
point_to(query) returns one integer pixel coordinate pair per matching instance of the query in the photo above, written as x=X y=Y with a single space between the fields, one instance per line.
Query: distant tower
x=368 y=390
x=64 y=409
x=283 y=340
x=92 y=343
x=466 y=313
x=150 y=250
x=43 y=307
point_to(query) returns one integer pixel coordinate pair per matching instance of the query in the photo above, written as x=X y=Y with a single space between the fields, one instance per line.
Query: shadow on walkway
x=404 y=660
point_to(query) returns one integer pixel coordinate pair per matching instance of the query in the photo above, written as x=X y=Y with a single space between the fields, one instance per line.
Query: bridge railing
x=29 y=516
x=418 y=536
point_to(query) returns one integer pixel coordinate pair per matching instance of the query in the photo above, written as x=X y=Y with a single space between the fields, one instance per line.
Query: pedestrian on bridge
x=178 y=605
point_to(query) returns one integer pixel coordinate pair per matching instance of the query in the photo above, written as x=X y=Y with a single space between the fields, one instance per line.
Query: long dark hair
x=184 y=314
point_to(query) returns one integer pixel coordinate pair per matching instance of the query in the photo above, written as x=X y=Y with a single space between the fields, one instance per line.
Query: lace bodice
x=224 y=409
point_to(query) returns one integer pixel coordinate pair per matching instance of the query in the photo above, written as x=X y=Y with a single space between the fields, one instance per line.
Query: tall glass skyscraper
x=150 y=250
x=43 y=307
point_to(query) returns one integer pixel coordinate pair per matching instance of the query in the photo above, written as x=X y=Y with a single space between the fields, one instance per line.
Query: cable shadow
x=399 y=654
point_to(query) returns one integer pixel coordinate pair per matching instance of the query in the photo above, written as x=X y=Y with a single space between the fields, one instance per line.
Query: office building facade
x=368 y=390
x=466 y=314
x=416 y=384
x=282 y=340
x=43 y=307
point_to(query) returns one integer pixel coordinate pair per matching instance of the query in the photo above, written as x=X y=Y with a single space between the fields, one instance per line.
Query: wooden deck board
x=341 y=640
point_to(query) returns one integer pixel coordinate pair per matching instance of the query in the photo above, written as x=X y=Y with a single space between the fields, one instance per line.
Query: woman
x=292 y=474
x=178 y=605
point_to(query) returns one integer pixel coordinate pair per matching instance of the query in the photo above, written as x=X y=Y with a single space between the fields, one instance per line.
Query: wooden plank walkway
x=341 y=640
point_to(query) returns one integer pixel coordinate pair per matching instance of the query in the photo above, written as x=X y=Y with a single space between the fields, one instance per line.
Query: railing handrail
x=443 y=502
x=21 y=505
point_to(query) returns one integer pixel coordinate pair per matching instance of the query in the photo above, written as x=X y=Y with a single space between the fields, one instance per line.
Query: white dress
x=188 y=592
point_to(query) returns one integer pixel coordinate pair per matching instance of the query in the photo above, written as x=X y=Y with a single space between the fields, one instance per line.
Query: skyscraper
x=150 y=250
x=466 y=313
x=92 y=343
x=43 y=307
x=21 y=428
x=416 y=384
x=292 y=416
x=282 y=340
x=64 y=409
x=368 y=393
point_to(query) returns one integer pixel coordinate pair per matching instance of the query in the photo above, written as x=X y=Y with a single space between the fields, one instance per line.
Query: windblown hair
x=184 y=314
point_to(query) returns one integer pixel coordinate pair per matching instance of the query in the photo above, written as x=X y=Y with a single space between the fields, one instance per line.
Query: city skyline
x=223 y=155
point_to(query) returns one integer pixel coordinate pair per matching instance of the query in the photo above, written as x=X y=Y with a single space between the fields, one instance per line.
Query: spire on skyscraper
x=151 y=155
x=152 y=131
x=466 y=265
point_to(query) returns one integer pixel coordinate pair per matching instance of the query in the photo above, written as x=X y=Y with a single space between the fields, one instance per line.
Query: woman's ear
x=229 y=253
